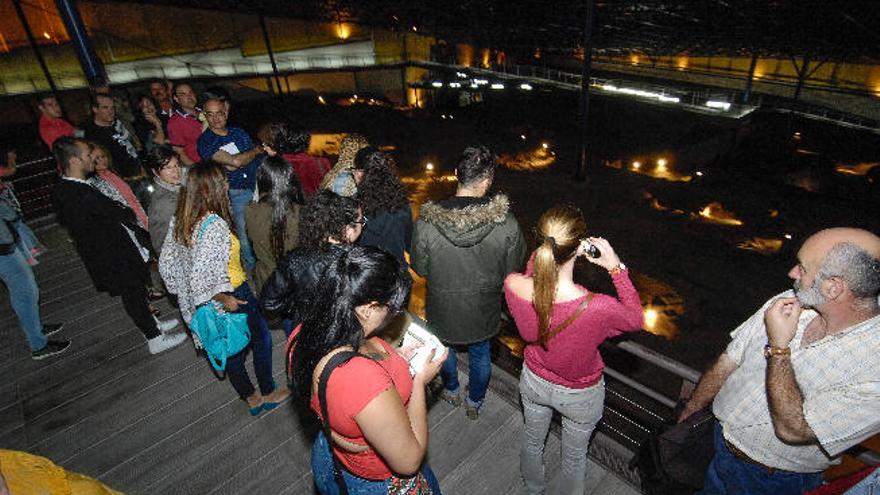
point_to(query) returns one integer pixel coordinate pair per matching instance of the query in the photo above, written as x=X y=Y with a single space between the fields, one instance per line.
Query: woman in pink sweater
x=563 y=324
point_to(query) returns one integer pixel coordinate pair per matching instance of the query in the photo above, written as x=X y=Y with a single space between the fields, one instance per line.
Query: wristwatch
x=770 y=351
x=617 y=269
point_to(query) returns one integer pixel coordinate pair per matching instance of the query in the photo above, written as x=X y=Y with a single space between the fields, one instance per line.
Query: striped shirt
x=838 y=375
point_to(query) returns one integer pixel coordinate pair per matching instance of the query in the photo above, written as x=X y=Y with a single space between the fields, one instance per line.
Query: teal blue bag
x=222 y=334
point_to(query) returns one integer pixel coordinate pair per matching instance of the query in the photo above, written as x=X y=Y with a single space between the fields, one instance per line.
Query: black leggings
x=134 y=300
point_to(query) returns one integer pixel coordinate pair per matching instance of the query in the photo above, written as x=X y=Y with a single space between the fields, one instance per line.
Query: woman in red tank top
x=377 y=412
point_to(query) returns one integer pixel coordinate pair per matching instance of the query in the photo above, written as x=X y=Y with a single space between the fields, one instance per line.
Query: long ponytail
x=546 y=275
x=560 y=230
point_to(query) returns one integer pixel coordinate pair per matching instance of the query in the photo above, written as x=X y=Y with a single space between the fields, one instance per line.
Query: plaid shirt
x=839 y=377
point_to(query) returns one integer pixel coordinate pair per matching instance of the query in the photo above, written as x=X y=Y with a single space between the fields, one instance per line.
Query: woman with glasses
x=327 y=224
x=563 y=324
x=165 y=167
x=376 y=412
x=385 y=203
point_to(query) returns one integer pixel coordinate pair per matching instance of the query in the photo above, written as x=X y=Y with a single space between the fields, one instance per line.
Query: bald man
x=799 y=382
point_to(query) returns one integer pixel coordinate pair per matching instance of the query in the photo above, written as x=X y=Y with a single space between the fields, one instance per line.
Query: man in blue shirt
x=234 y=149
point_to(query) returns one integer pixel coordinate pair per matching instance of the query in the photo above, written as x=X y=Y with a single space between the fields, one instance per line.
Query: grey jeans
x=581 y=410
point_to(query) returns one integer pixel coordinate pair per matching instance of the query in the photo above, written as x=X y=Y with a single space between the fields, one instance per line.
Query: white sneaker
x=165 y=342
x=166 y=325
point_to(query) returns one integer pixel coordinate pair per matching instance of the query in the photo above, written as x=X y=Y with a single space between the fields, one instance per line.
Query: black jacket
x=391 y=231
x=290 y=289
x=95 y=223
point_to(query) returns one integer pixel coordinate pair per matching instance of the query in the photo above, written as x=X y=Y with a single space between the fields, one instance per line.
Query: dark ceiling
x=834 y=30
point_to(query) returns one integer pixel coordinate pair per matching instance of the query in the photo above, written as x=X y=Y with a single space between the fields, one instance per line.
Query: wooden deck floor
x=164 y=425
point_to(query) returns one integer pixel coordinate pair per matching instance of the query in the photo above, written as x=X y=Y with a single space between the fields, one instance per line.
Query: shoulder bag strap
x=208 y=220
x=568 y=321
x=336 y=360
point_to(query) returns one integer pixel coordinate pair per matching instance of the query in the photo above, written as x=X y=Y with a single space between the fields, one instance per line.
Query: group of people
x=266 y=230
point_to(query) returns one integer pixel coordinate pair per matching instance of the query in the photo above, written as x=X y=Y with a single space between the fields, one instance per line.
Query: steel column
x=91 y=64
x=271 y=55
x=33 y=42
x=585 y=151
x=748 y=93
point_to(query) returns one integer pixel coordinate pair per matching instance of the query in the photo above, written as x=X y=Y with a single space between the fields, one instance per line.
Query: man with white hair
x=799 y=382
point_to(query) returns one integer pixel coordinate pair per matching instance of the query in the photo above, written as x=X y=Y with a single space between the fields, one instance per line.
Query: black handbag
x=675 y=457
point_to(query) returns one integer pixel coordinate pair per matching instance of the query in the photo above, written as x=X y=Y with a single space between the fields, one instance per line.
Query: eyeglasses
x=362 y=221
x=170 y=164
x=215 y=114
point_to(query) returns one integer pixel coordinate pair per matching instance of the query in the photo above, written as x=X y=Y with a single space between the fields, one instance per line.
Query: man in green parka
x=465 y=246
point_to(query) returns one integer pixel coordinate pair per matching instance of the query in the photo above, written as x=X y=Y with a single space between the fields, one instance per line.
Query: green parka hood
x=467 y=226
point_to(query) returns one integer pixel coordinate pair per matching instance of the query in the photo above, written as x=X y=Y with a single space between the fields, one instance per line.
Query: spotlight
x=661 y=162
x=497 y=86
x=637 y=165
x=525 y=86
x=437 y=84
x=429 y=167
x=545 y=145
x=522 y=136
x=787 y=236
x=699 y=173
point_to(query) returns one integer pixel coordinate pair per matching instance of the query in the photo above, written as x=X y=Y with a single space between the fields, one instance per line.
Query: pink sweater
x=572 y=357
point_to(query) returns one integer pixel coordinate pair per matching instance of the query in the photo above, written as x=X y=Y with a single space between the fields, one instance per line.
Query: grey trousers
x=581 y=410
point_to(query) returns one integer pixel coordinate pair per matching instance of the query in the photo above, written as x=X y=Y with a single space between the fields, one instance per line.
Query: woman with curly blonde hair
x=340 y=178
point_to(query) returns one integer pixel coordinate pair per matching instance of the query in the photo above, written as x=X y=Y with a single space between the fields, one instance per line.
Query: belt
x=739 y=454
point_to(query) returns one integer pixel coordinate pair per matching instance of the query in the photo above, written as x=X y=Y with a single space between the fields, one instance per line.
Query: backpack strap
x=568 y=321
x=208 y=220
x=335 y=361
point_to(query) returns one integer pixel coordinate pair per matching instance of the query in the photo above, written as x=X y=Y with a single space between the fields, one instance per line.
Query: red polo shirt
x=52 y=129
x=184 y=131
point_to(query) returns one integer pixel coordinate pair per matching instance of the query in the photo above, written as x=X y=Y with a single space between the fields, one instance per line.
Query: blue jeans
x=325 y=478
x=238 y=201
x=260 y=345
x=27 y=241
x=479 y=372
x=581 y=410
x=729 y=475
x=24 y=296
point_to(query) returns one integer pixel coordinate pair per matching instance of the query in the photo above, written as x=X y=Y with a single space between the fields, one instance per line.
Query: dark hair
x=204 y=191
x=157 y=80
x=475 y=164
x=179 y=84
x=93 y=98
x=280 y=188
x=325 y=216
x=41 y=98
x=158 y=157
x=362 y=275
x=65 y=148
x=136 y=104
x=285 y=138
x=381 y=188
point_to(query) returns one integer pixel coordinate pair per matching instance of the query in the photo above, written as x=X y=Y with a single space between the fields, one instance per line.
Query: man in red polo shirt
x=52 y=126
x=184 y=126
